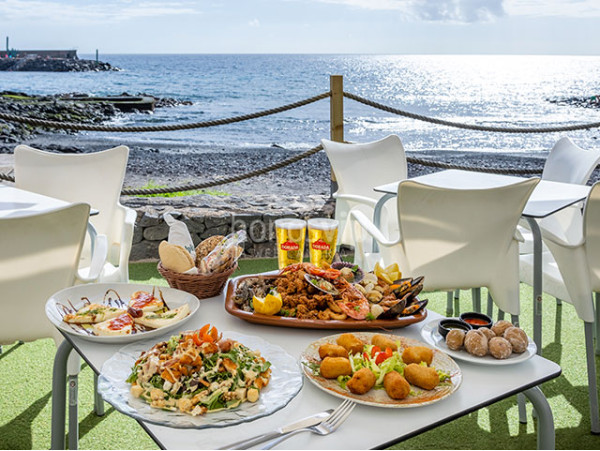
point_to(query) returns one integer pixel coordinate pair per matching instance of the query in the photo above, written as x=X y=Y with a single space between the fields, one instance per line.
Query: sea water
x=495 y=90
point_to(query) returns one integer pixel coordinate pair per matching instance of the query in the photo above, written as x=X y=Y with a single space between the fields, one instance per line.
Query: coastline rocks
x=41 y=64
x=584 y=102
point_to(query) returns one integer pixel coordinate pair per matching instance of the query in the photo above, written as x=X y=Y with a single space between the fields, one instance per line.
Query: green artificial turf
x=26 y=372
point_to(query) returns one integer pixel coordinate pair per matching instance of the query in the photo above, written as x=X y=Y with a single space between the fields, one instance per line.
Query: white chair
x=571 y=272
x=39 y=256
x=456 y=238
x=96 y=179
x=567 y=163
x=358 y=168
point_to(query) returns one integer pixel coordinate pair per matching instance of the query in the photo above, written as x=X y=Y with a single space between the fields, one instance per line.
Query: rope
x=484 y=128
x=159 y=128
x=234 y=178
x=294 y=159
x=435 y=164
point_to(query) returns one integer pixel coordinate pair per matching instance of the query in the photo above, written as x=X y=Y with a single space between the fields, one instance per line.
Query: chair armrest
x=518 y=236
x=127 y=236
x=548 y=235
x=98 y=260
x=371 y=229
x=356 y=198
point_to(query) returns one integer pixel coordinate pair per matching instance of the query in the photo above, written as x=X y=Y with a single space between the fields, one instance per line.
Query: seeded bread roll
x=206 y=246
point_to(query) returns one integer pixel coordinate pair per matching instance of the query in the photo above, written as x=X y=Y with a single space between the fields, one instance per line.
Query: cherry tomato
x=375 y=350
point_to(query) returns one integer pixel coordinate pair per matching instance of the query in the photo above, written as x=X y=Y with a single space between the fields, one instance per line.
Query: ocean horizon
x=494 y=90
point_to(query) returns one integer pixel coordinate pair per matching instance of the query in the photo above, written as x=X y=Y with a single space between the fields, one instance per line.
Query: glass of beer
x=290 y=233
x=322 y=239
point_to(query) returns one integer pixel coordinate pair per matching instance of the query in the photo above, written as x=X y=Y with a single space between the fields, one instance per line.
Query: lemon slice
x=269 y=305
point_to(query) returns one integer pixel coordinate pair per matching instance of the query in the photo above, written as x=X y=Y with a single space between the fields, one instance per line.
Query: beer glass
x=290 y=241
x=322 y=239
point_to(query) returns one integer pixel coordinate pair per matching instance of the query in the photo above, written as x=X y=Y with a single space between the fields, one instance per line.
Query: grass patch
x=153 y=185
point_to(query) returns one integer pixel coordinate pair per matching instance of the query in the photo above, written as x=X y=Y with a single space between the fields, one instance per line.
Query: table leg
x=59 y=395
x=537 y=283
x=377 y=216
x=98 y=401
x=546 y=438
x=73 y=384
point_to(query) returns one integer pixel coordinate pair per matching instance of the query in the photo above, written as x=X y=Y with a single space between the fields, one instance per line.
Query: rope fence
x=236 y=178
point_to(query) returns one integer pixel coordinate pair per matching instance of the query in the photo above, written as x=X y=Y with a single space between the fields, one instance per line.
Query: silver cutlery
x=326 y=427
x=300 y=424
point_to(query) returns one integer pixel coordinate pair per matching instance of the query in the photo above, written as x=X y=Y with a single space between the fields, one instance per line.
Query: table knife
x=303 y=423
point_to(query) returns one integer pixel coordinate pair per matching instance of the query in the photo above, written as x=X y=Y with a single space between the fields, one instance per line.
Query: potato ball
x=455 y=339
x=500 y=348
x=500 y=326
x=384 y=342
x=489 y=333
x=517 y=338
x=476 y=343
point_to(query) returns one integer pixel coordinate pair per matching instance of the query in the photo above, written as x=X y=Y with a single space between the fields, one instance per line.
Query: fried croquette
x=331 y=350
x=384 y=342
x=362 y=381
x=417 y=354
x=351 y=342
x=332 y=367
x=395 y=385
x=422 y=376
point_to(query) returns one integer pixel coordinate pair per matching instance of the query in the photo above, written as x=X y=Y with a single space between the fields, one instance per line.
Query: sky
x=563 y=27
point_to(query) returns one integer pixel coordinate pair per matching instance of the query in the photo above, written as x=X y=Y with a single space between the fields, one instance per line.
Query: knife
x=303 y=423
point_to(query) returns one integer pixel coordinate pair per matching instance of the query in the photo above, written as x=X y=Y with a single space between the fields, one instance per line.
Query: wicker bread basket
x=200 y=285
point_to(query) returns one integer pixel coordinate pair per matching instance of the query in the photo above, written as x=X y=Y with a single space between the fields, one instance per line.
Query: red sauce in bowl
x=476 y=321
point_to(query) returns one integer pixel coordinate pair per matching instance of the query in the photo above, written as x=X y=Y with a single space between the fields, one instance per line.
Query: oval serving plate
x=430 y=334
x=73 y=298
x=281 y=321
x=379 y=398
x=286 y=382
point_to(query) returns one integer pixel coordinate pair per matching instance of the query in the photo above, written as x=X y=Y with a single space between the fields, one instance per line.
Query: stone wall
x=206 y=216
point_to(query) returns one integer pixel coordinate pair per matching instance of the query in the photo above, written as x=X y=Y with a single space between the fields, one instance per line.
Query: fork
x=326 y=427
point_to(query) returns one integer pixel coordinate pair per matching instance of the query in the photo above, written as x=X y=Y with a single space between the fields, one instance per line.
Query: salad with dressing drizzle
x=197 y=372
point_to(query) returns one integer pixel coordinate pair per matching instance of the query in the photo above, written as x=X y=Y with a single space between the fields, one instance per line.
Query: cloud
x=556 y=8
x=86 y=12
x=254 y=23
x=434 y=10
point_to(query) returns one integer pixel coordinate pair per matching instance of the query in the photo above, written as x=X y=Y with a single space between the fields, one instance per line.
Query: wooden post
x=336 y=116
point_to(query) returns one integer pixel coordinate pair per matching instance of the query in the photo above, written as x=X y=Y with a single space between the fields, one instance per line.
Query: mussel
x=392 y=308
x=357 y=272
x=408 y=287
x=321 y=284
x=415 y=307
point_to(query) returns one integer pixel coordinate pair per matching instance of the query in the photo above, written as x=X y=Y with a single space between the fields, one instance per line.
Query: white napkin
x=180 y=235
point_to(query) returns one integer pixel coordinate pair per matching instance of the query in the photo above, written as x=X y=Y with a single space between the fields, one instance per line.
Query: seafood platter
x=340 y=297
x=380 y=370
x=119 y=312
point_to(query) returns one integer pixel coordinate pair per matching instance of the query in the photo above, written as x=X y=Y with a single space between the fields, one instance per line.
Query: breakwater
x=40 y=64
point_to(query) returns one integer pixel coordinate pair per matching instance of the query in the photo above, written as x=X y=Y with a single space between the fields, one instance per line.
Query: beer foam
x=323 y=224
x=290 y=223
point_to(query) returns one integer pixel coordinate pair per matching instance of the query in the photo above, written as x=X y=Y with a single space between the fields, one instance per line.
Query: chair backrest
x=460 y=237
x=569 y=163
x=360 y=167
x=94 y=178
x=39 y=255
x=591 y=230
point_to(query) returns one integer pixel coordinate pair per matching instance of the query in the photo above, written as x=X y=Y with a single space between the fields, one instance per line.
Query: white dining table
x=367 y=427
x=547 y=198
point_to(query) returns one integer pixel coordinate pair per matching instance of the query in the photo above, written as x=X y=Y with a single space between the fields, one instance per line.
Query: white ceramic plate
x=286 y=381
x=379 y=398
x=95 y=292
x=430 y=334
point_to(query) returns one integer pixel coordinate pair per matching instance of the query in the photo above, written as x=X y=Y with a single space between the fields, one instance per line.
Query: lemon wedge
x=269 y=305
x=389 y=274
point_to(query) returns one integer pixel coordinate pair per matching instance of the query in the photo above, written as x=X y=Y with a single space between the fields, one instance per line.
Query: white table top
x=367 y=427
x=547 y=198
x=16 y=202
